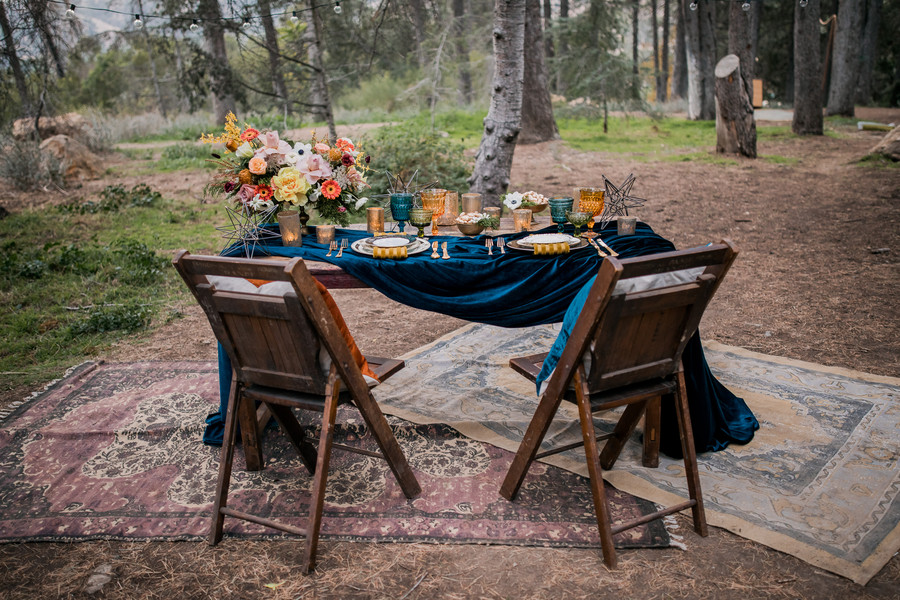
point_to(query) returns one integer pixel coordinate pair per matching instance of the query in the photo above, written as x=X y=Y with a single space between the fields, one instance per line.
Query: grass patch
x=182 y=157
x=781 y=160
x=638 y=135
x=878 y=161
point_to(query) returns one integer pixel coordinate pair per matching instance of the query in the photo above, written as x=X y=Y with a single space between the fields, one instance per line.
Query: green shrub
x=23 y=164
x=119 y=317
x=185 y=156
x=113 y=198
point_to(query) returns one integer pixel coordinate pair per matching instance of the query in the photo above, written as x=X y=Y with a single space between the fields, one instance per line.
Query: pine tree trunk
x=740 y=43
x=9 y=49
x=265 y=13
x=635 y=58
x=462 y=51
x=735 y=126
x=319 y=97
x=562 y=45
x=845 y=64
x=548 y=39
x=662 y=93
x=538 y=124
x=493 y=160
x=868 y=47
x=700 y=49
x=679 y=66
x=219 y=78
x=807 y=70
x=654 y=25
x=418 y=19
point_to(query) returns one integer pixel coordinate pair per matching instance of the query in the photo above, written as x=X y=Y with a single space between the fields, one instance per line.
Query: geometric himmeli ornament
x=619 y=198
x=246 y=228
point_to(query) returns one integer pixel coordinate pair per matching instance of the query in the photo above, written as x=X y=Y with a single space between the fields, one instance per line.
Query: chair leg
x=226 y=457
x=291 y=427
x=650 y=458
x=598 y=492
x=250 y=436
x=317 y=499
x=624 y=428
x=690 y=455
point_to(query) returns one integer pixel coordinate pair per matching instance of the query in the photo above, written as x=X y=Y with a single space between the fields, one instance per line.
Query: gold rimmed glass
x=592 y=201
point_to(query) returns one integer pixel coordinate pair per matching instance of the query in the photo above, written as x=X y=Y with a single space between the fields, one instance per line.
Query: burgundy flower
x=347 y=160
x=229 y=187
x=368 y=158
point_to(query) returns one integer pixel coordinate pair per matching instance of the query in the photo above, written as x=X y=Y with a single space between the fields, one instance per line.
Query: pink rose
x=258 y=165
x=246 y=193
x=321 y=148
x=314 y=167
x=273 y=145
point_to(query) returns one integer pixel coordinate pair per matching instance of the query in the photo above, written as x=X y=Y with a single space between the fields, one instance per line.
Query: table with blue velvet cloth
x=518 y=289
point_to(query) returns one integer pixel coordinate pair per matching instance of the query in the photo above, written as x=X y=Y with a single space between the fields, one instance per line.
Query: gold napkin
x=396 y=252
x=557 y=248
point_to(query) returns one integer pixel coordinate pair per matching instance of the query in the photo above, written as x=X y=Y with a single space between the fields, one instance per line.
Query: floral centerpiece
x=260 y=171
x=536 y=202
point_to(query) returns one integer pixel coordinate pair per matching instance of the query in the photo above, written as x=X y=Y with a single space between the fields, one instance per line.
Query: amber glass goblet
x=592 y=201
x=434 y=201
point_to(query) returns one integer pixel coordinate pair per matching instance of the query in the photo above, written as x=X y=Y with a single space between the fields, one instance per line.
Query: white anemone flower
x=513 y=200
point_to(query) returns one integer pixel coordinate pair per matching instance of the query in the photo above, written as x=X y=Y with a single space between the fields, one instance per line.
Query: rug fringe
x=675 y=540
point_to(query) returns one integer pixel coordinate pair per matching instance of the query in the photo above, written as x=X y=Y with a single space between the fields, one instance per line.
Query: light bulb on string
x=70 y=13
x=803 y=3
x=693 y=6
x=745 y=6
x=337 y=8
x=246 y=23
x=294 y=17
x=138 y=23
x=194 y=25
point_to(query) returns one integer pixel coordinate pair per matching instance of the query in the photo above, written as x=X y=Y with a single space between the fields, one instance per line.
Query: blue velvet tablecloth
x=517 y=289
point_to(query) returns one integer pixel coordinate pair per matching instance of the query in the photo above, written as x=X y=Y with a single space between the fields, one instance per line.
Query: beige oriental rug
x=820 y=480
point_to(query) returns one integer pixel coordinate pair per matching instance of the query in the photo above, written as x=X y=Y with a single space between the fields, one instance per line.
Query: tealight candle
x=375 y=220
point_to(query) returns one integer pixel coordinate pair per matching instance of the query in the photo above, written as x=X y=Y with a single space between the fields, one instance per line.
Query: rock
x=100 y=577
x=890 y=145
x=70 y=124
x=76 y=160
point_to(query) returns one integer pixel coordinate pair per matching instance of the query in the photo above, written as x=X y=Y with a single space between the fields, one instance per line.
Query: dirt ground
x=816 y=280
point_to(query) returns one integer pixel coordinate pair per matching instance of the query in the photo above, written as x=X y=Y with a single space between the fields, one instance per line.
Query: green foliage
x=27 y=168
x=404 y=149
x=178 y=157
x=116 y=317
x=114 y=198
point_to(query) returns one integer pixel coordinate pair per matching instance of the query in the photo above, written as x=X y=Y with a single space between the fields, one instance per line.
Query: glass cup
x=451 y=209
x=433 y=200
x=471 y=202
x=579 y=219
x=420 y=218
x=521 y=219
x=558 y=209
x=626 y=225
x=289 y=225
x=401 y=202
x=325 y=234
x=592 y=201
x=375 y=220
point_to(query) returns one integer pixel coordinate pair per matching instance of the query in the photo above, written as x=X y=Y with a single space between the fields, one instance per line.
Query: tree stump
x=735 y=125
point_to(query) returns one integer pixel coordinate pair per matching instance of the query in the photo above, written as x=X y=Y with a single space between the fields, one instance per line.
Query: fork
x=344 y=244
x=501 y=243
x=488 y=243
x=332 y=247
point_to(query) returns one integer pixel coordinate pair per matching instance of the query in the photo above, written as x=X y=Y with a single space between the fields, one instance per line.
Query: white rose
x=244 y=151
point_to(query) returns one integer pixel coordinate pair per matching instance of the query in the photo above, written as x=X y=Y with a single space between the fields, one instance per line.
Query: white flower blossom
x=302 y=149
x=244 y=151
x=513 y=200
x=258 y=204
x=360 y=202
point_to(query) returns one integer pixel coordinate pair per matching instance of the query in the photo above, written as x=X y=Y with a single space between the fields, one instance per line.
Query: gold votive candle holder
x=375 y=220
x=451 y=209
x=492 y=211
x=325 y=234
x=289 y=225
x=521 y=219
x=626 y=225
x=471 y=202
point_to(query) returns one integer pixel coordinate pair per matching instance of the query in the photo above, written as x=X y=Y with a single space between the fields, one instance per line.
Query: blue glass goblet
x=401 y=202
x=558 y=209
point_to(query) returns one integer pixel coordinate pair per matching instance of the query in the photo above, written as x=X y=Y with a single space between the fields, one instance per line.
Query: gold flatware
x=501 y=243
x=488 y=243
x=332 y=247
x=344 y=244
x=605 y=245
x=444 y=248
x=596 y=247
x=434 y=252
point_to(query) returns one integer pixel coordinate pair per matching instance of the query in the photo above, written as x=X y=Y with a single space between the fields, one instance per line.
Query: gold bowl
x=469 y=228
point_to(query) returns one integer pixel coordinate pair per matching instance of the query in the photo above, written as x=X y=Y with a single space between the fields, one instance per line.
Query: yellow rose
x=290 y=186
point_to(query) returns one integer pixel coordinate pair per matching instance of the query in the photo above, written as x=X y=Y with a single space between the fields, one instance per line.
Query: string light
x=246 y=24
x=195 y=25
x=294 y=17
x=138 y=23
x=745 y=6
x=693 y=6
x=337 y=7
x=803 y=3
x=70 y=14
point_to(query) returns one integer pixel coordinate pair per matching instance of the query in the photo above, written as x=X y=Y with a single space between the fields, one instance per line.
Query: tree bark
x=538 y=124
x=662 y=92
x=845 y=60
x=38 y=11
x=548 y=39
x=740 y=42
x=807 y=118
x=319 y=96
x=219 y=78
x=735 y=126
x=493 y=160
x=679 y=66
x=562 y=45
x=654 y=25
x=635 y=58
x=418 y=19
x=265 y=13
x=868 y=47
x=462 y=51
x=700 y=49
x=9 y=48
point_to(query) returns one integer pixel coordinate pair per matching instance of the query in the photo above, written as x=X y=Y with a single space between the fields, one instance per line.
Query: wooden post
x=735 y=125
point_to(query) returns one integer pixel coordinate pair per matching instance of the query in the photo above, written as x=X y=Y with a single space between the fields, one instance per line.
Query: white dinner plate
x=547 y=238
x=415 y=246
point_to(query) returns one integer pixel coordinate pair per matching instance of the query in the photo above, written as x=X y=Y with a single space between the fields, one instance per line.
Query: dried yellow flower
x=245 y=176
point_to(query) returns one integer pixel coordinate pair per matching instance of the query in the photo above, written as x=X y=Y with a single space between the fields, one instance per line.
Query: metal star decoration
x=619 y=198
x=246 y=228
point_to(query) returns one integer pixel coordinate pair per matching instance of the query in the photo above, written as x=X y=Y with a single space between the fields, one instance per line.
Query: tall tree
x=845 y=63
x=265 y=13
x=679 y=66
x=562 y=44
x=548 y=24
x=462 y=50
x=662 y=91
x=654 y=26
x=807 y=118
x=700 y=48
x=43 y=22
x=9 y=49
x=160 y=101
x=538 y=124
x=493 y=160
x=319 y=97
x=418 y=21
x=635 y=57
x=740 y=43
x=868 y=47
x=220 y=74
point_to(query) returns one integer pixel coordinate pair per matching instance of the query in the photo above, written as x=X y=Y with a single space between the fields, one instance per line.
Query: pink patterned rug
x=113 y=451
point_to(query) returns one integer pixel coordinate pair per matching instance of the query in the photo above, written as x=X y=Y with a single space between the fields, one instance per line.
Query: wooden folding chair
x=274 y=342
x=634 y=326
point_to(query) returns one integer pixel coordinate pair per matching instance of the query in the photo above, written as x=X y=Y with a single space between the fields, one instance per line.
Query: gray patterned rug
x=820 y=481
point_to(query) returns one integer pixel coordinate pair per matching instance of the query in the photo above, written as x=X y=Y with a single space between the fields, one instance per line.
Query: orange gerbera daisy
x=250 y=134
x=331 y=189
x=264 y=191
